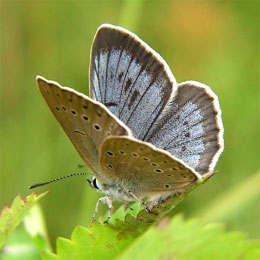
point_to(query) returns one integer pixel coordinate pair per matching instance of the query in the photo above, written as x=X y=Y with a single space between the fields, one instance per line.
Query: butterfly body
x=141 y=134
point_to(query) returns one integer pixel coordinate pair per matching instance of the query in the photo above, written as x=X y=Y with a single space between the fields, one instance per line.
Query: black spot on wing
x=187 y=135
x=110 y=104
x=120 y=75
x=79 y=132
x=133 y=98
x=127 y=85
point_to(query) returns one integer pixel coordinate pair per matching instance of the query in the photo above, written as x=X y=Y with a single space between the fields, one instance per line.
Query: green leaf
x=21 y=246
x=11 y=217
x=34 y=224
x=109 y=240
x=182 y=240
x=131 y=234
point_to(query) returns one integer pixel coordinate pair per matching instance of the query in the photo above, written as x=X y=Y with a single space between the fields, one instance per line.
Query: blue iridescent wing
x=130 y=78
x=190 y=127
x=136 y=84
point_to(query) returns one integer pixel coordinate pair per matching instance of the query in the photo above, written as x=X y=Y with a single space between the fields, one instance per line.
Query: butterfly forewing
x=191 y=128
x=86 y=122
x=130 y=78
x=143 y=169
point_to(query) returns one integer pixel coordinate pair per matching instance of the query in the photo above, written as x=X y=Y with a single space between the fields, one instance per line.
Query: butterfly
x=140 y=133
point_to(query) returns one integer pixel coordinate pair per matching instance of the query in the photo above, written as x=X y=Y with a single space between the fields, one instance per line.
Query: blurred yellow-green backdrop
x=215 y=42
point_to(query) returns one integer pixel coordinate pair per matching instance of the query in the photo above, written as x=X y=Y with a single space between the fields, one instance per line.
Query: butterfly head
x=93 y=182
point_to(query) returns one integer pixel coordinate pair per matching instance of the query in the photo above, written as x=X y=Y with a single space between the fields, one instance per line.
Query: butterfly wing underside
x=86 y=122
x=144 y=169
x=130 y=78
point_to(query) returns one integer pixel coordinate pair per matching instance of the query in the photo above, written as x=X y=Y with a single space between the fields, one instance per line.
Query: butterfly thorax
x=115 y=191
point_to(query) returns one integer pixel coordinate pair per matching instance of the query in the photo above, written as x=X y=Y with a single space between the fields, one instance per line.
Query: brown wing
x=85 y=121
x=142 y=168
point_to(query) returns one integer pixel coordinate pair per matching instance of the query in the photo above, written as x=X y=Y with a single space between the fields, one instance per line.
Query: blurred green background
x=215 y=42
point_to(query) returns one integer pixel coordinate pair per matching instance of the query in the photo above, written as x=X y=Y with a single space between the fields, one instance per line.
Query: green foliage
x=179 y=239
x=175 y=239
x=21 y=245
x=111 y=239
x=22 y=229
x=11 y=217
x=132 y=233
x=229 y=204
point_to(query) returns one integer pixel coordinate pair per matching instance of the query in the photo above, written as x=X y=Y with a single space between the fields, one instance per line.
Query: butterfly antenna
x=58 y=179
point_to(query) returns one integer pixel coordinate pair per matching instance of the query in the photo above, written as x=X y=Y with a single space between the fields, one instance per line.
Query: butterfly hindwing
x=143 y=168
x=190 y=127
x=130 y=78
x=86 y=122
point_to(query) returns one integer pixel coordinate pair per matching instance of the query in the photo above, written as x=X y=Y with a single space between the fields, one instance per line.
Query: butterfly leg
x=110 y=207
x=139 y=200
x=106 y=200
x=127 y=206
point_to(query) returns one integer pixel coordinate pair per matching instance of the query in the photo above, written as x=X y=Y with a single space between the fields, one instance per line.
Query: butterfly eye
x=158 y=170
x=73 y=112
x=95 y=184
